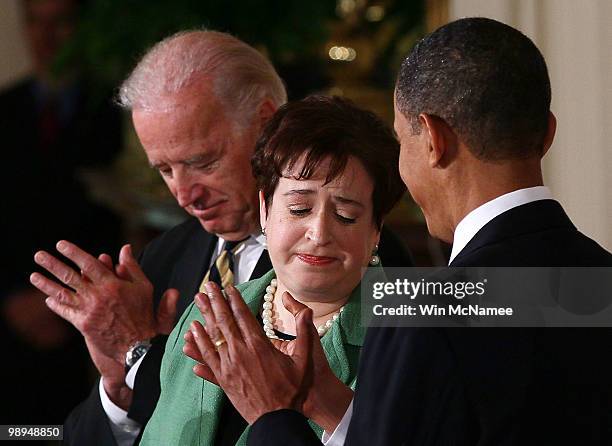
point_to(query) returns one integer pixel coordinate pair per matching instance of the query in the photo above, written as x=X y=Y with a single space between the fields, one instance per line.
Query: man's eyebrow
x=202 y=158
x=198 y=158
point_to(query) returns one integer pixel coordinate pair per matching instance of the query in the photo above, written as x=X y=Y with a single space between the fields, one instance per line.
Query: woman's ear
x=376 y=237
x=263 y=212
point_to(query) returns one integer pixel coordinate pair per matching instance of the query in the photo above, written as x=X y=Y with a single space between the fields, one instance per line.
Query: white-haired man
x=198 y=101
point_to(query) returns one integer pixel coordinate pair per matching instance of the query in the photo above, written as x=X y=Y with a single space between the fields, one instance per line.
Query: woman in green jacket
x=327 y=174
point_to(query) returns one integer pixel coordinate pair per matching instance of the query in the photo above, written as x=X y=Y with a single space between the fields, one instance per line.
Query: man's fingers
x=63 y=310
x=166 y=312
x=223 y=314
x=247 y=323
x=91 y=267
x=51 y=288
x=106 y=260
x=127 y=260
x=292 y=305
x=205 y=372
x=123 y=273
x=205 y=346
x=63 y=272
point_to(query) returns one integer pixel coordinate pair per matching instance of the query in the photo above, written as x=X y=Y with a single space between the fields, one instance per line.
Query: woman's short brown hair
x=321 y=128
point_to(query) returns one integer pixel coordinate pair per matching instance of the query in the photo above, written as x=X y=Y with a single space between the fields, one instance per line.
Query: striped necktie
x=222 y=270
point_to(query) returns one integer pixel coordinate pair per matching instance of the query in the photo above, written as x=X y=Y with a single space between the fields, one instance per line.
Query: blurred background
x=74 y=168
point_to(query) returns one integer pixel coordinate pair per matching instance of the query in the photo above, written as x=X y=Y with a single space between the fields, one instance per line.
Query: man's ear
x=550 y=133
x=266 y=110
x=441 y=139
x=263 y=212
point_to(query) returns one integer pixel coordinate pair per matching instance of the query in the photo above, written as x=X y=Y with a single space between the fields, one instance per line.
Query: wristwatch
x=135 y=352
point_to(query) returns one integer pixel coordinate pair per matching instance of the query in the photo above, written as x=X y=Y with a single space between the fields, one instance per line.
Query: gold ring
x=219 y=342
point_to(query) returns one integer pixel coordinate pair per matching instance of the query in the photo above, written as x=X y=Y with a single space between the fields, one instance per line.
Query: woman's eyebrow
x=346 y=200
x=299 y=192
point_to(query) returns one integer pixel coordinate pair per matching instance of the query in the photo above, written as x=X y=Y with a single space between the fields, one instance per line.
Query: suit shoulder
x=554 y=247
x=596 y=251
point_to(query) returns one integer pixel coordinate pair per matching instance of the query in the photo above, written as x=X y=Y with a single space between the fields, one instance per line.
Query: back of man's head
x=239 y=76
x=487 y=80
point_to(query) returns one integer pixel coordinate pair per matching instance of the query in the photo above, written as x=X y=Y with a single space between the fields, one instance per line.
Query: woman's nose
x=319 y=231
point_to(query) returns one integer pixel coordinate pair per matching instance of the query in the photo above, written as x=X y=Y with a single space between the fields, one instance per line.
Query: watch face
x=136 y=353
x=139 y=351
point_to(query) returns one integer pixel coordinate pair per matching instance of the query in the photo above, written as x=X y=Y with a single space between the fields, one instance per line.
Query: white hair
x=241 y=76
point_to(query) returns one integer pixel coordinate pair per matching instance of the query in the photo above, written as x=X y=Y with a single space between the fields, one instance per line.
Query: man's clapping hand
x=112 y=307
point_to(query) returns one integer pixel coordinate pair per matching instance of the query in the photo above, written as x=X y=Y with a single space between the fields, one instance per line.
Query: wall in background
x=576 y=40
x=14 y=58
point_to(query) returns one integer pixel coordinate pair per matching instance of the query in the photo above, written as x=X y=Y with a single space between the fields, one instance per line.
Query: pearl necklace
x=266 y=314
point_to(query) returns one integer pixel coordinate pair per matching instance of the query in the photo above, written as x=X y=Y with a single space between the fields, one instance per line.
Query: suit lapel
x=263 y=265
x=189 y=272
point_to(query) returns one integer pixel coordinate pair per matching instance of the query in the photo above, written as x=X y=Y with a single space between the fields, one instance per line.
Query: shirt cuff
x=339 y=434
x=130 y=378
x=125 y=430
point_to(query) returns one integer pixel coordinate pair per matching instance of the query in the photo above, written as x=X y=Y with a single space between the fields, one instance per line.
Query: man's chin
x=214 y=226
x=439 y=232
x=224 y=229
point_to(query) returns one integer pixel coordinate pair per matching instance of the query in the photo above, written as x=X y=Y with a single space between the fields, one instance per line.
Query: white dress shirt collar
x=246 y=255
x=483 y=214
x=253 y=240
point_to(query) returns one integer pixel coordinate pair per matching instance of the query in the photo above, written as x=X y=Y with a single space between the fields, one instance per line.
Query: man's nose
x=186 y=190
x=184 y=196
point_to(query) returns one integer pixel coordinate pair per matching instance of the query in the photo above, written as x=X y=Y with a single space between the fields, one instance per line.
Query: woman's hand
x=325 y=399
x=256 y=377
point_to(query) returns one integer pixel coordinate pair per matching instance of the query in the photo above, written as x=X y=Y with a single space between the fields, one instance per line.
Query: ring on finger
x=219 y=342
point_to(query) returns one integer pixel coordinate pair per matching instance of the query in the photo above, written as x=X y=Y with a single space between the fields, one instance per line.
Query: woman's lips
x=315 y=260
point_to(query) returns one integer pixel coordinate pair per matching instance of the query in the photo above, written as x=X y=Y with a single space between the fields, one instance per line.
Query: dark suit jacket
x=177 y=259
x=433 y=386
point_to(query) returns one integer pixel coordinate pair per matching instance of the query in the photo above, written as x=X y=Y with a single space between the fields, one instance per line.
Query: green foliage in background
x=112 y=34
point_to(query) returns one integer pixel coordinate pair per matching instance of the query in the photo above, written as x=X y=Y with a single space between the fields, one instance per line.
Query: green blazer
x=189 y=407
